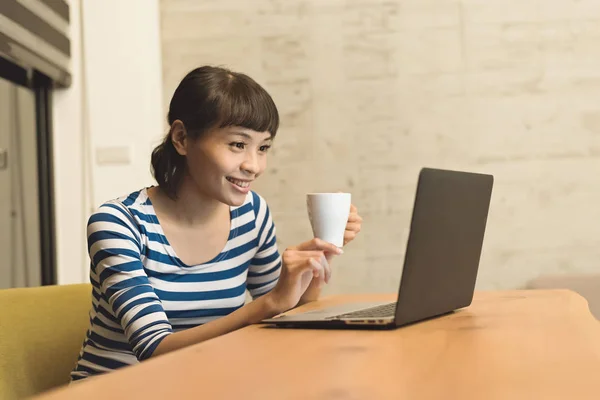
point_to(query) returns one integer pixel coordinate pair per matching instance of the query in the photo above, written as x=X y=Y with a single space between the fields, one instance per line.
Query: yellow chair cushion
x=41 y=332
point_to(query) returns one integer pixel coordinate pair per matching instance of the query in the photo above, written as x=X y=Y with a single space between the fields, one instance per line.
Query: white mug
x=328 y=214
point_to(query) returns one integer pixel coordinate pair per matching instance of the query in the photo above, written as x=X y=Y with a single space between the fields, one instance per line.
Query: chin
x=235 y=200
x=238 y=203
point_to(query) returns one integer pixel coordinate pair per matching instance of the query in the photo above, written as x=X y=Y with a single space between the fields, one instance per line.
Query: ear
x=179 y=137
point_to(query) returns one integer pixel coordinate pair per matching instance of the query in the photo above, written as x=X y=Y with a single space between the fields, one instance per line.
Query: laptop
x=440 y=264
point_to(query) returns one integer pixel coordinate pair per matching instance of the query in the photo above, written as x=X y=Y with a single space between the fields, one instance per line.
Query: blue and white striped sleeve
x=265 y=266
x=114 y=246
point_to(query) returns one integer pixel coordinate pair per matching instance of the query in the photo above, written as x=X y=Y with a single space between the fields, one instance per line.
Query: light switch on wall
x=113 y=155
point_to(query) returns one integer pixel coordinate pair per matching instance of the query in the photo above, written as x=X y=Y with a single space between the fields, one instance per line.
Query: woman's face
x=224 y=162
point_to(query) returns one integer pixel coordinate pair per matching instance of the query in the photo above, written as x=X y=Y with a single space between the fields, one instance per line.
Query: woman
x=170 y=264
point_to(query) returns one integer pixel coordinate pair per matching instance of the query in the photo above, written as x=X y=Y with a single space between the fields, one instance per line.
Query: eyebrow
x=248 y=136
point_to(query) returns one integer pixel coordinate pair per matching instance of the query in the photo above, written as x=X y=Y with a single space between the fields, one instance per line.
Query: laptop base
x=330 y=324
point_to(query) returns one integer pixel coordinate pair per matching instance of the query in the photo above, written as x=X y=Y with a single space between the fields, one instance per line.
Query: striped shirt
x=142 y=292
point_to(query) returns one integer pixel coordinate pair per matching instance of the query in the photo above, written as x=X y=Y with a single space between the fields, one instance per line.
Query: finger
x=329 y=256
x=309 y=254
x=318 y=244
x=322 y=278
x=354 y=218
x=317 y=268
x=326 y=268
x=353 y=227
x=327 y=247
x=296 y=255
x=349 y=236
x=353 y=209
x=304 y=267
x=297 y=265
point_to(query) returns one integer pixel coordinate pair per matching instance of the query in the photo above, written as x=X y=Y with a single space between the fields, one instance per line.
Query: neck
x=192 y=207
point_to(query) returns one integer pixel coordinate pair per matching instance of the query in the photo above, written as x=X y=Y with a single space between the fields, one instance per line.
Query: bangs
x=248 y=105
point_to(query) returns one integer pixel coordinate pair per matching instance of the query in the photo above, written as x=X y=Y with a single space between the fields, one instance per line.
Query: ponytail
x=168 y=166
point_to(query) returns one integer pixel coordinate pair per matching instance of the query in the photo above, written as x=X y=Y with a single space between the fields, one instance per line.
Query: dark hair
x=208 y=98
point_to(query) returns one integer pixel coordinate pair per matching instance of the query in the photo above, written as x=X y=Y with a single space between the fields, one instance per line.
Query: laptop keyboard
x=384 y=310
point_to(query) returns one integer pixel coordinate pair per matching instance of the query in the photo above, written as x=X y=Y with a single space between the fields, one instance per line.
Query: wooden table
x=507 y=345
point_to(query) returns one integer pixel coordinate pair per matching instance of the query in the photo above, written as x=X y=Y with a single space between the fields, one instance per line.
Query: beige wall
x=114 y=106
x=371 y=91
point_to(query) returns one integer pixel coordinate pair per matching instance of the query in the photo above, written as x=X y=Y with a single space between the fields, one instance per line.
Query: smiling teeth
x=239 y=183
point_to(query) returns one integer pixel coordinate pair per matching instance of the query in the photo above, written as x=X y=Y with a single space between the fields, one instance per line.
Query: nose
x=251 y=164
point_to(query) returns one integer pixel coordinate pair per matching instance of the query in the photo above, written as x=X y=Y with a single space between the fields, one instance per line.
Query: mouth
x=239 y=183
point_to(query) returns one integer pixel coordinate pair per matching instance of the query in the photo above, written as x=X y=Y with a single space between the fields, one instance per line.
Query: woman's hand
x=353 y=226
x=300 y=266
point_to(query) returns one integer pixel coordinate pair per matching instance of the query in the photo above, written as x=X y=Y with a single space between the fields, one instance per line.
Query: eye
x=238 y=145
x=264 y=148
